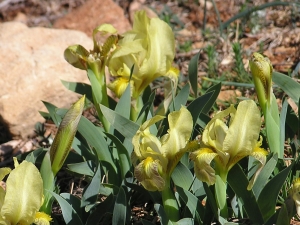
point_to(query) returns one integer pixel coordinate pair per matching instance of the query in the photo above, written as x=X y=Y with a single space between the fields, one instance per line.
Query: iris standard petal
x=243 y=132
x=149 y=46
x=140 y=134
x=24 y=193
x=216 y=134
x=180 y=129
x=207 y=138
x=161 y=48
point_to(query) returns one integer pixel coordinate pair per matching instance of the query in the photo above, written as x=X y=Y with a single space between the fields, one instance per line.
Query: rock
x=31 y=67
x=92 y=14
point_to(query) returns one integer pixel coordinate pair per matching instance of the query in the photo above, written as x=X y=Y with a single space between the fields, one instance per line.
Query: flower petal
x=151 y=141
x=295 y=193
x=161 y=49
x=216 y=134
x=42 y=218
x=209 y=138
x=244 y=130
x=119 y=86
x=202 y=159
x=180 y=129
x=24 y=193
x=260 y=155
x=148 y=173
x=3 y=172
x=175 y=141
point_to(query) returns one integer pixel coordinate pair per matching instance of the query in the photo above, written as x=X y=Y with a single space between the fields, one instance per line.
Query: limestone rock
x=92 y=14
x=31 y=69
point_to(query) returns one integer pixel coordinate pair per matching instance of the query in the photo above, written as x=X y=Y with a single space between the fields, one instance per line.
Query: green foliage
x=102 y=156
x=212 y=64
x=107 y=155
x=242 y=75
x=170 y=18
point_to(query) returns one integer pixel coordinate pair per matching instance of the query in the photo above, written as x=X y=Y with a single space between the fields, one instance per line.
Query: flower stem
x=98 y=82
x=170 y=203
x=221 y=190
x=136 y=107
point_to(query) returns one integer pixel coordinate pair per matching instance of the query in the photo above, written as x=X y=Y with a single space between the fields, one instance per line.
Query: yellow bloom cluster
x=158 y=157
x=226 y=145
x=149 y=47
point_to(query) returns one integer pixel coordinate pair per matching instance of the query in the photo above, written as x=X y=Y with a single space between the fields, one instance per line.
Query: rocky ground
x=273 y=31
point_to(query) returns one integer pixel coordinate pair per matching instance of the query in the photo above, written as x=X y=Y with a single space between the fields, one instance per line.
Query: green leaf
x=182 y=176
x=99 y=96
x=82 y=147
x=216 y=91
x=192 y=203
x=96 y=88
x=211 y=201
x=95 y=138
x=288 y=85
x=182 y=97
x=48 y=184
x=66 y=132
x=147 y=109
x=91 y=192
x=120 y=208
x=125 y=126
x=143 y=193
x=185 y=221
x=162 y=214
x=264 y=175
x=74 y=202
x=124 y=104
x=101 y=210
x=33 y=155
x=239 y=182
x=283 y=216
x=220 y=190
x=68 y=212
x=268 y=196
x=273 y=127
x=123 y=155
x=282 y=124
x=79 y=88
x=52 y=112
x=84 y=168
x=193 y=73
x=196 y=106
x=146 y=222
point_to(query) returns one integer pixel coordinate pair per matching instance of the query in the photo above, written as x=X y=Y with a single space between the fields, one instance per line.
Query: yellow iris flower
x=226 y=145
x=23 y=197
x=149 y=47
x=295 y=194
x=158 y=157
